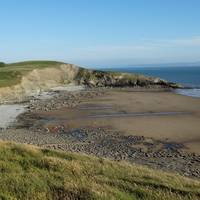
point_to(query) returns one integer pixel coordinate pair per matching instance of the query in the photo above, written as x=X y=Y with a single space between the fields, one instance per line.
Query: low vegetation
x=28 y=172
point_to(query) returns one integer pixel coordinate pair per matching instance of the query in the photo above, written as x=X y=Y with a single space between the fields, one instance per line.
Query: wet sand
x=8 y=114
x=161 y=115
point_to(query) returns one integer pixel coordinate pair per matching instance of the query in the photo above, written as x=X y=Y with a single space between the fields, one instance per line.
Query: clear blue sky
x=100 y=32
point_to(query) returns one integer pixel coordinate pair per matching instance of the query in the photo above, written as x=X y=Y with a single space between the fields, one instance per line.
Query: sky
x=100 y=32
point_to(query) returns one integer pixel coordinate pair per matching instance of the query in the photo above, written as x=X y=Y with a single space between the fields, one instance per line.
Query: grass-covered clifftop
x=28 y=172
x=11 y=74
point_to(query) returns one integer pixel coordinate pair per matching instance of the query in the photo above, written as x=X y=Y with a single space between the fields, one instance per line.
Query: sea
x=189 y=76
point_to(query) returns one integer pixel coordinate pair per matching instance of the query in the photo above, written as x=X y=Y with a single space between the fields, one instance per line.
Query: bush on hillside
x=2 y=64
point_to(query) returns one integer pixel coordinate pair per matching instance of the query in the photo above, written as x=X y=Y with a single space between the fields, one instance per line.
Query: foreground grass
x=32 y=173
x=11 y=74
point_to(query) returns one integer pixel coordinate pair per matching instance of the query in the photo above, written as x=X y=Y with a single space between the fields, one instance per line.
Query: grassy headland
x=32 y=173
x=11 y=74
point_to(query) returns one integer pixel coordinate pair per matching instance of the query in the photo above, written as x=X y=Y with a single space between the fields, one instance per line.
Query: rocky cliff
x=94 y=78
x=38 y=80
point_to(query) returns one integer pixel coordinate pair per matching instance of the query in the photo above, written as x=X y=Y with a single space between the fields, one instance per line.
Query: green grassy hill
x=32 y=173
x=11 y=74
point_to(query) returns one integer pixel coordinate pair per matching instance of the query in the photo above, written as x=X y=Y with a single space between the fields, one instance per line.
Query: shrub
x=2 y=64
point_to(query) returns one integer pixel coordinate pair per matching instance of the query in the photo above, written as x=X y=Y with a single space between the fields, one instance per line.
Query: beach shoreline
x=153 y=127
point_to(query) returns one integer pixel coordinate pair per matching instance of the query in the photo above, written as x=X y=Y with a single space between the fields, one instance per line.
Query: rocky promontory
x=95 y=78
x=21 y=80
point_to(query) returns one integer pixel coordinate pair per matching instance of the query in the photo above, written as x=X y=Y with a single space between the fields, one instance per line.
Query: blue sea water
x=187 y=76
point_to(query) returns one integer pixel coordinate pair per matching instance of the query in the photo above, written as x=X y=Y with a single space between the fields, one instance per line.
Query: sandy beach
x=160 y=115
x=153 y=127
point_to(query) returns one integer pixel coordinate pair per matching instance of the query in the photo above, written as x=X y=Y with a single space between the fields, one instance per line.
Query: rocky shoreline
x=100 y=141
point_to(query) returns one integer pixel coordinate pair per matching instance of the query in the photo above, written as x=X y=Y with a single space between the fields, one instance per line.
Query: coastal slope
x=28 y=172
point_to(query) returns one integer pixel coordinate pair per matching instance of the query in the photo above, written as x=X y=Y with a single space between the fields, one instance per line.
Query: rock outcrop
x=94 y=78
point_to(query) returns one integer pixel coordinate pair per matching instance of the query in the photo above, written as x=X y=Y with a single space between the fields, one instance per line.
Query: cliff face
x=39 y=80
